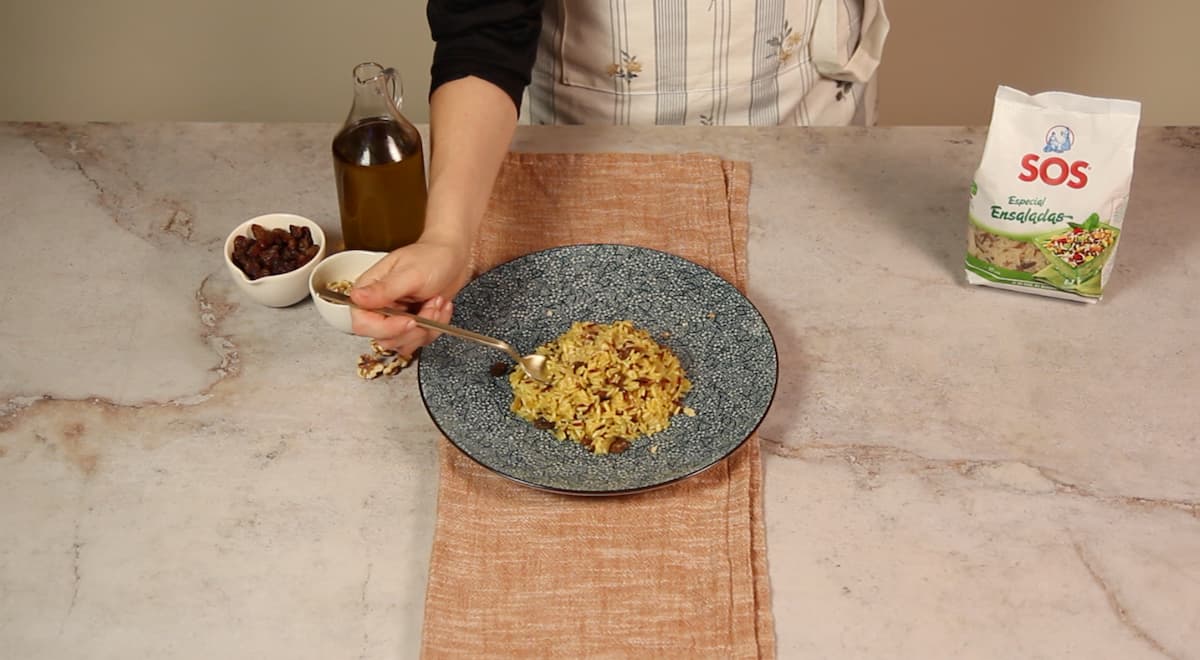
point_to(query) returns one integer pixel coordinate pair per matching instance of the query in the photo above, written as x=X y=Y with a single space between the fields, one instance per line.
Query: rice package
x=1049 y=197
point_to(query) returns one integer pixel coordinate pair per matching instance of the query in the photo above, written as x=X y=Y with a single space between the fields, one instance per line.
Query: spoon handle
x=343 y=299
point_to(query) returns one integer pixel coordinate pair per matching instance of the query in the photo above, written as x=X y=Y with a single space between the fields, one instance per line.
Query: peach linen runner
x=678 y=572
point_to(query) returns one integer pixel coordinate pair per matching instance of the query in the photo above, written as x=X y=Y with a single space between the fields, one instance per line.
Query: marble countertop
x=951 y=471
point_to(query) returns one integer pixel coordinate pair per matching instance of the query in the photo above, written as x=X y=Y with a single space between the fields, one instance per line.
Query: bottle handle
x=395 y=87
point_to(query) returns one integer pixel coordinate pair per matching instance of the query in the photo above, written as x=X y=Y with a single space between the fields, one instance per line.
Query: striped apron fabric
x=707 y=62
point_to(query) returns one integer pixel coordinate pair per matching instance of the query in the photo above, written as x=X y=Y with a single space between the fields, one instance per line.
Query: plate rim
x=774 y=389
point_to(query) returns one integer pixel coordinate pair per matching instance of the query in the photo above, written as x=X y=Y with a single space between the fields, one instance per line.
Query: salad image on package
x=1049 y=197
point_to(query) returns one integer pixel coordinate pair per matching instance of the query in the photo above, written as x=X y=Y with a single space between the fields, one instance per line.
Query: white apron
x=713 y=62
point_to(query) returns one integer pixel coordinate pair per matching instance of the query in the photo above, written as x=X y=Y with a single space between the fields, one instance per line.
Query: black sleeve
x=495 y=40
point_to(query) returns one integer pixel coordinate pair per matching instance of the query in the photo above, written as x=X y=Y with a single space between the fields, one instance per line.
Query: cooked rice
x=609 y=384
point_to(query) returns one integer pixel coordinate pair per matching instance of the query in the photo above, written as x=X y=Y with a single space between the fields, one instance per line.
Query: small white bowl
x=286 y=288
x=348 y=266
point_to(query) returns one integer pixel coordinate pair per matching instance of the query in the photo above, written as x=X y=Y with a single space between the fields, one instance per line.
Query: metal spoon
x=534 y=365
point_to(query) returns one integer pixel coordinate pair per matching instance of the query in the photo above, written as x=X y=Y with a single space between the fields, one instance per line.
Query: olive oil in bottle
x=379 y=166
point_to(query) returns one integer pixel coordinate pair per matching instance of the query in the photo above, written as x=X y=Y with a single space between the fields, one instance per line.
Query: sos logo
x=1055 y=170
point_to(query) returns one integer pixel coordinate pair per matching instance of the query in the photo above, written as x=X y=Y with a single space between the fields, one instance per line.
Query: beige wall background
x=290 y=60
x=944 y=58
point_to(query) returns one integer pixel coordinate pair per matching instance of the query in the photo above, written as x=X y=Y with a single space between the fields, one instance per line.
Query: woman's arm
x=495 y=40
x=473 y=111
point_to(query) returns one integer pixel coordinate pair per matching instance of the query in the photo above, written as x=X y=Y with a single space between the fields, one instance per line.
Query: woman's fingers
x=372 y=324
x=446 y=312
x=374 y=290
x=410 y=342
x=413 y=336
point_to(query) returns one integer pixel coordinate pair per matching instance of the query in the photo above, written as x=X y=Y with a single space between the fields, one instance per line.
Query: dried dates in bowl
x=273 y=251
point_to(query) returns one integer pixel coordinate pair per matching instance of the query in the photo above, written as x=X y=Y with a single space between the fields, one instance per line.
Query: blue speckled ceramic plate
x=720 y=338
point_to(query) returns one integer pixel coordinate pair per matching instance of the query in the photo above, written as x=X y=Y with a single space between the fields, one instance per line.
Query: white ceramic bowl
x=286 y=288
x=346 y=266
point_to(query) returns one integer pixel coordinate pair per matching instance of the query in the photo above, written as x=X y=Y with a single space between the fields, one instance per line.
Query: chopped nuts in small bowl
x=340 y=270
x=271 y=257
